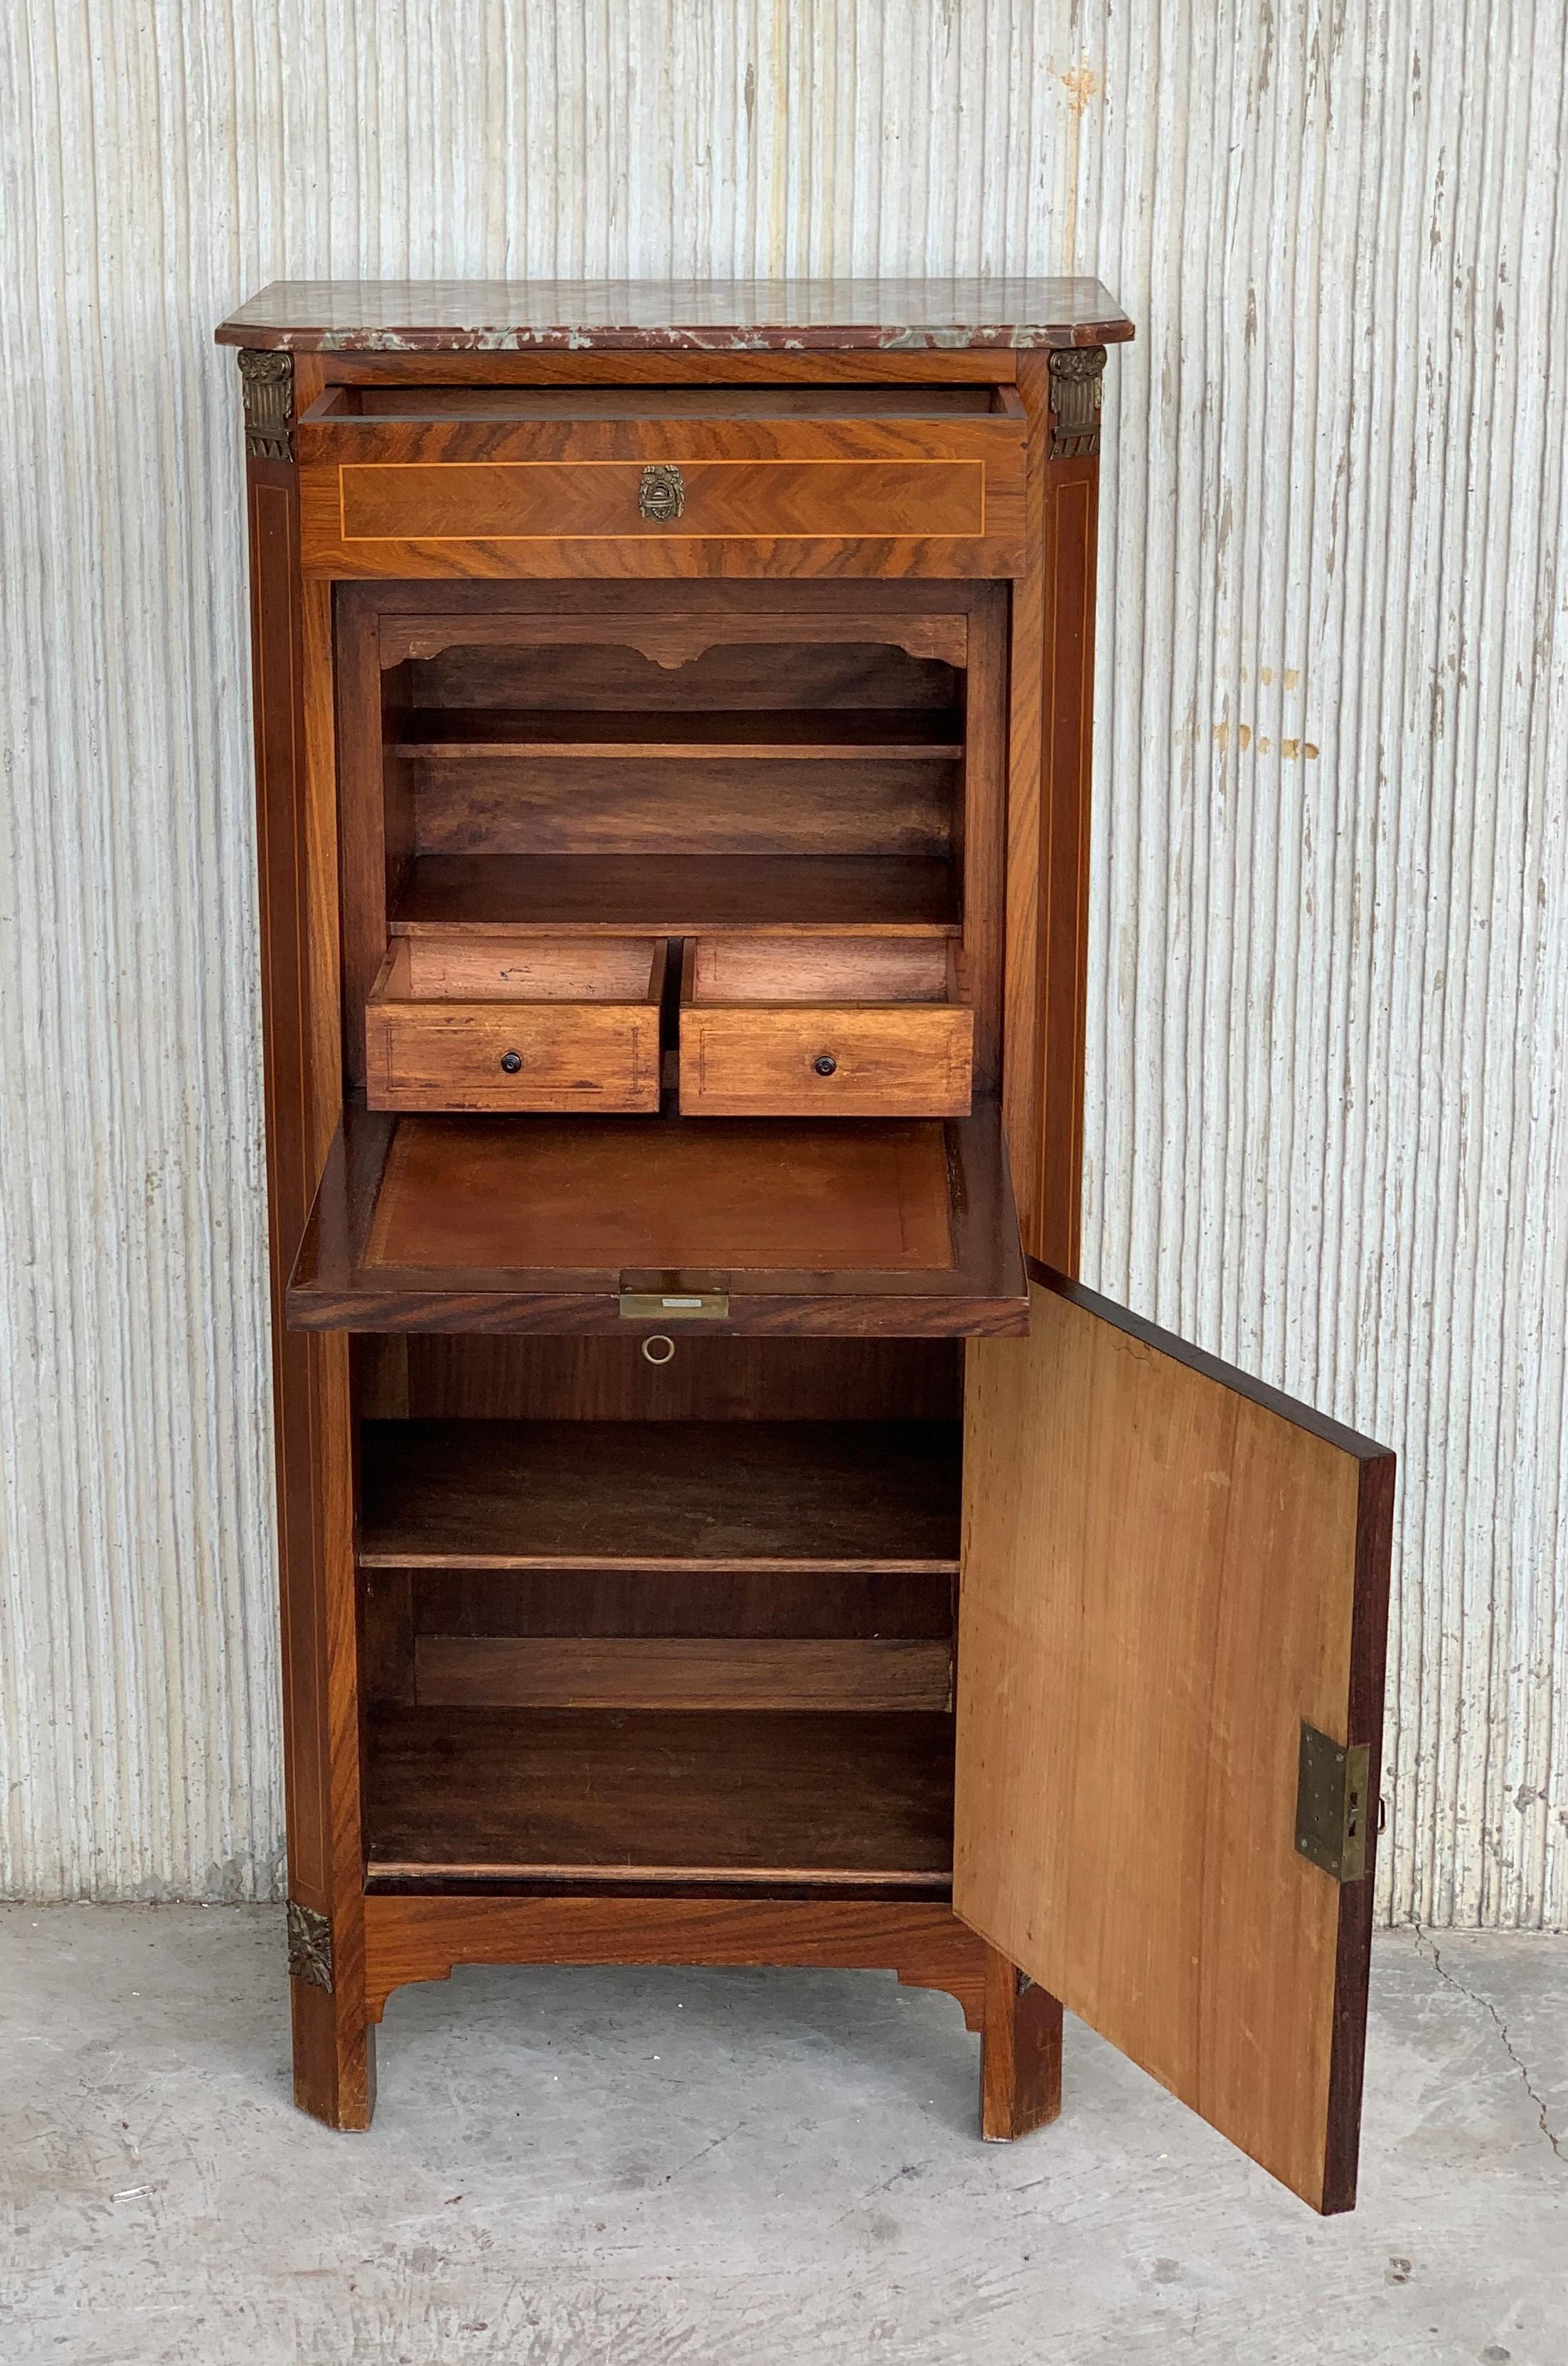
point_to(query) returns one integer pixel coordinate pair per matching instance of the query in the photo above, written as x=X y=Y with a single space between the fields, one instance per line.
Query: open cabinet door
x=1171 y=1637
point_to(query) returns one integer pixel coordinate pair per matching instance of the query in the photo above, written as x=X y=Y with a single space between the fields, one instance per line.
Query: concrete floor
x=669 y=2168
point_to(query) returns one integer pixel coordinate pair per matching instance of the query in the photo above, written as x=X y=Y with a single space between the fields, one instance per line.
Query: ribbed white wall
x=1330 y=954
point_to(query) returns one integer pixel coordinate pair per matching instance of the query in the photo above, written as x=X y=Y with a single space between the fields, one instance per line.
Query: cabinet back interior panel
x=458 y=1376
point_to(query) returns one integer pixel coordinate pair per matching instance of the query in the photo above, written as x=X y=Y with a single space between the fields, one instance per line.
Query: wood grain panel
x=424 y=405
x=1022 y=1075
x=706 y=1379
x=1020 y=2068
x=679 y=647
x=530 y=969
x=541 y=500
x=688 y=1672
x=800 y=969
x=718 y=1599
x=1072 y=526
x=297 y=847
x=426 y=1938
x=543 y=806
x=997 y=366
x=643 y=558
x=691 y=734
x=1166 y=1568
x=680 y=895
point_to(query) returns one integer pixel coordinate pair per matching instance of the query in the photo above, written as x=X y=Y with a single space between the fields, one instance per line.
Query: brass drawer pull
x=662 y=496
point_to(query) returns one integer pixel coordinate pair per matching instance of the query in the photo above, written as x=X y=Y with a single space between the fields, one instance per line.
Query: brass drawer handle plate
x=662 y=496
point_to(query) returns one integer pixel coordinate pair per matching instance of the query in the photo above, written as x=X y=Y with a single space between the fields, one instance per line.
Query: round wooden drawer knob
x=511 y=1062
x=825 y=1064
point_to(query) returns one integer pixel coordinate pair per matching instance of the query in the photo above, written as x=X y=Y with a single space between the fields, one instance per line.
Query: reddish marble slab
x=370 y=316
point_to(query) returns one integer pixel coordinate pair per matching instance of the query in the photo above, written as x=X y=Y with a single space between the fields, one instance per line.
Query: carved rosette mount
x=309 y=1946
x=267 y=382
x=1076 y=378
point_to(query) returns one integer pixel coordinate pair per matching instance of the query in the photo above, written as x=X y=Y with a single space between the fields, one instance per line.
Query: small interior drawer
x=823 y=1027
x=517 y=1024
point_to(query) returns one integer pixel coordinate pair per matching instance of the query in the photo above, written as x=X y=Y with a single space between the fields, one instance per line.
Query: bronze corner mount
x=266 y=383
x=309 y=1946
x=1076 y=373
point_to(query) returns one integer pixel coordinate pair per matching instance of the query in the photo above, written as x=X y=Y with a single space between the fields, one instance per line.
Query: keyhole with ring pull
x=825 y=1064
x=511 y=1062
x=658 y=1339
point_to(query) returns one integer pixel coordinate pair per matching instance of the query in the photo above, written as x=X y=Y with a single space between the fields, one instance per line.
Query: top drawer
x=531 y=482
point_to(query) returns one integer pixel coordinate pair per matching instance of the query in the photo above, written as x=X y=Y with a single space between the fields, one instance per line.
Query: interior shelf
x=856 y=1496
x=690 y=735
x=679 y=894
x=500 y=1794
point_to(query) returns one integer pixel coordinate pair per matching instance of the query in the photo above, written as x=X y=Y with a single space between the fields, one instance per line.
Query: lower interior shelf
x=489 y=1796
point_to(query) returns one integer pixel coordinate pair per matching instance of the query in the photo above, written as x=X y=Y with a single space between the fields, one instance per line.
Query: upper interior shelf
x=693 y=737
x=678 y=894
x=676 y=316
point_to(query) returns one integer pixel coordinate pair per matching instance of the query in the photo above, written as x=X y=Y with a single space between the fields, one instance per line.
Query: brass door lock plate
x=1333 y=1809
x=675 y=1305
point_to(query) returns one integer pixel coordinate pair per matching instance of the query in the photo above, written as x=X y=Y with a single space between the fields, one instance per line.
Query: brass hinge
x=309 y=1946
x=1332 y=1804
x=266 y=383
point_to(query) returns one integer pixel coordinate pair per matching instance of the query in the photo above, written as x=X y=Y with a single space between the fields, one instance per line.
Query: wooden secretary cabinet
x=715 y=1526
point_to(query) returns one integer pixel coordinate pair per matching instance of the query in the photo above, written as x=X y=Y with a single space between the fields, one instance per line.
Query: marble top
x=402 y=316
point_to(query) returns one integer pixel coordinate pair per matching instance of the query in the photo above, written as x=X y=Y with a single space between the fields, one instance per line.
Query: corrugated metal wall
x=1330 y=957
